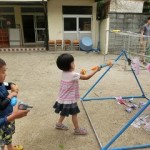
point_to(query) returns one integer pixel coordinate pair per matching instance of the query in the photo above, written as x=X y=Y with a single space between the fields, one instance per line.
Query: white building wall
x=55 y=17
x=55 y=21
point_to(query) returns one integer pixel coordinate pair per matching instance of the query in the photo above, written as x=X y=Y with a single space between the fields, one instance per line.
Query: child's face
x=2 y=73
x=72 y=66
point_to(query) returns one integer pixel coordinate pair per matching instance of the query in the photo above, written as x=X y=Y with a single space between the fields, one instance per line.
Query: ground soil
x=38 y=79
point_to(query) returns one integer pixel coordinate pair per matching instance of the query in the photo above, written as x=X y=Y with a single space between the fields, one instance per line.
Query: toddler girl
x=66 y=103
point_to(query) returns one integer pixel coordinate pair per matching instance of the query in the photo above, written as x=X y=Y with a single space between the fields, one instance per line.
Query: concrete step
x=22 y=49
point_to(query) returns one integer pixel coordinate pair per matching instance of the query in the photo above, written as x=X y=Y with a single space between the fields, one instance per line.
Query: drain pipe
x=98 y=46
x=46 y=44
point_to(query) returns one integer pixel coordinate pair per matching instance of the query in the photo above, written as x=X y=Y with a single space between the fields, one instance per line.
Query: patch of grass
x=61 y=146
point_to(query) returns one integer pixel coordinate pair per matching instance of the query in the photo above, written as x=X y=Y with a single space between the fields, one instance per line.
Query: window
x=40 y=21
x=6 y=10
x=70 y=24
x=86 y=10
x=32 y=9
x=40 y=35
x=85 y=24
x=146 y=8
x=7 y=21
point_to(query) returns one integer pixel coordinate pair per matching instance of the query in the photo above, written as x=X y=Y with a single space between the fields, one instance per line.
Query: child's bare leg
x=75 y=121
x=10 y=147
x=60 y=125
x=78 y=130
x=61 y=119
x=3 y=147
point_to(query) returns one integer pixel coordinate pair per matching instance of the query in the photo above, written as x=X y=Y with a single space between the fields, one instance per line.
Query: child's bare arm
x=88 y=76
x=17 y=114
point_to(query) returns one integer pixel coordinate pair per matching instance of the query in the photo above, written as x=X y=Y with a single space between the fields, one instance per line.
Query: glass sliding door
x=70 y=28
x=77 y=26
x=84 y=27
x=33 y=28
x=40 y=28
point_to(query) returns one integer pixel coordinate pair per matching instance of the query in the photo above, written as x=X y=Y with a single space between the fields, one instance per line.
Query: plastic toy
x=148 y=67
x=109 y=63
x=129 y=110
x=23 y=106
x=136 y=65
x=13 y=101
x=122 y=101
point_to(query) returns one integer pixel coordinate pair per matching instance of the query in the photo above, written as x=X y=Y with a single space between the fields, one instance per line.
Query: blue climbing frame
x=107 y=146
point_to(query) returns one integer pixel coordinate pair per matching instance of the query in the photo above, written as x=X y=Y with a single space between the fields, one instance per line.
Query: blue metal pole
x=110 y=98
x=147 y=98
x=126 y=126
x=135 y=75
x=131 y=147
x=102 y=76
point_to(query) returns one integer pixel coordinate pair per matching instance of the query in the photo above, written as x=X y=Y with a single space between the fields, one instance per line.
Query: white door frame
x=35 y=28
x=78 y=32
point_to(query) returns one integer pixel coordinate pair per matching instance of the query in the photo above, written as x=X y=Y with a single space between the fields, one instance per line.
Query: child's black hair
x=148 y=18
x=2 y=63
x=64 y=61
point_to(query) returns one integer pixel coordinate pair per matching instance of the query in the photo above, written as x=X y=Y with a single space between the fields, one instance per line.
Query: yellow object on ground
x=18 y=147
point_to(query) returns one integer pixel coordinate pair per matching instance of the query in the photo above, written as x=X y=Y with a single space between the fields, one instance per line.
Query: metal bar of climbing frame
x=98 y=140
x=126 y=126
x=102 y=75
x=131 y=147
x=110 y=98
x=135 y=76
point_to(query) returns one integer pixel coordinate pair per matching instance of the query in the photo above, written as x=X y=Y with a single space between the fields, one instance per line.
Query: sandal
x=61 y=126
x=80 y=131
x=18 y=147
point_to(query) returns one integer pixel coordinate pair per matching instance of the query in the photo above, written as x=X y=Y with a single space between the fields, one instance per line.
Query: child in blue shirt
x=7 y=124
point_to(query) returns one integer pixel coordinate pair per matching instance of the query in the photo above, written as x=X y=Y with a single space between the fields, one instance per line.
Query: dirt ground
x=38 y=79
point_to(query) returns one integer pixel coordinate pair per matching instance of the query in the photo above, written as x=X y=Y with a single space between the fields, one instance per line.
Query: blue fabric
x=3 y=121
x=3 y=95
x=3 y=91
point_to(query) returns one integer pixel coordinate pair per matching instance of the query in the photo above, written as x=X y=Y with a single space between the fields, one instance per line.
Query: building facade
x=22 y=23
x=27 y=23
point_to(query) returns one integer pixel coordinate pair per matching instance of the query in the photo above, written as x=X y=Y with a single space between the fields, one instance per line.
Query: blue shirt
x=3 y=95
x=3 y=121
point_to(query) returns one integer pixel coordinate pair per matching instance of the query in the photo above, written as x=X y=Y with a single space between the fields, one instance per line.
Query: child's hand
x=14 y=88
x=19 y=113
x=96 y=68
x=83 y=72
x=12 y=94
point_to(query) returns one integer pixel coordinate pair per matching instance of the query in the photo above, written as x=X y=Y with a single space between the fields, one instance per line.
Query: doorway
x=33 y=29
x=28 y=28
